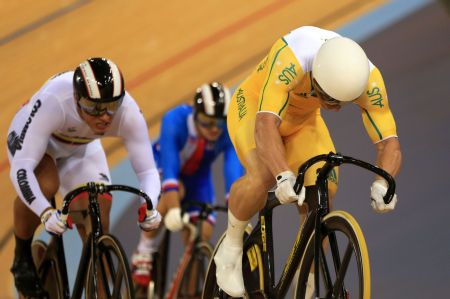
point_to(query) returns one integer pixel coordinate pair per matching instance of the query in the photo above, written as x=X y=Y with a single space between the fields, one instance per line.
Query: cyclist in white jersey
x=54 y=145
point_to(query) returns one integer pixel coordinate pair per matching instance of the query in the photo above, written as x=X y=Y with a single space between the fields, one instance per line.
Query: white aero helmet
x=341 y=69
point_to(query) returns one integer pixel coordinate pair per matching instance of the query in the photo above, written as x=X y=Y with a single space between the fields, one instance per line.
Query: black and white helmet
x=98 y=80
x=212 y=99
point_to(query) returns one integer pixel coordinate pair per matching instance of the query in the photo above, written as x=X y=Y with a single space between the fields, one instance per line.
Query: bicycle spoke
x=104 y=276
x=339 y=286
x=325 y=269
x=346 y=253
x=113 y=279
x=340 y=266
x=117 y=284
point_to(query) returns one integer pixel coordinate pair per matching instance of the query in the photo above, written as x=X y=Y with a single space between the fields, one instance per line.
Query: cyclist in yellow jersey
x=275 y=125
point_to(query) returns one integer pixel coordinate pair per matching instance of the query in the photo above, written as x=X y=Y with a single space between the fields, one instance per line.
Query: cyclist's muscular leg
x=25 y=223
x=247 y=196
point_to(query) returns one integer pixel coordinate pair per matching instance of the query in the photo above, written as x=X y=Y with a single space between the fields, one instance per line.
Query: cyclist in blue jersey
x=191 y=138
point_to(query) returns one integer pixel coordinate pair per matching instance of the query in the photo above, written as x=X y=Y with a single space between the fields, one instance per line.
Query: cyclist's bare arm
x=169 y=199
x=389 y=155
x=269 y=144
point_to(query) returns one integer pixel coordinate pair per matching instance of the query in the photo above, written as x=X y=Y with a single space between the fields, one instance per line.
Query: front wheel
x=193 y=275
x=344 y=261
x=113 y=279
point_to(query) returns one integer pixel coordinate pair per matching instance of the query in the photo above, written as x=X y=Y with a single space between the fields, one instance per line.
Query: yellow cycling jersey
x=281 y=84
x=282 y=81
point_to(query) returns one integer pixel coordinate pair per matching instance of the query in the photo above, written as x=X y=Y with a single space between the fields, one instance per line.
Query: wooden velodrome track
x=165 y=49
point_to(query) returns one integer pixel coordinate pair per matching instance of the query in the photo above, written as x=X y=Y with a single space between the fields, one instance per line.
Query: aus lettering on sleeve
x=288 y=74
x=376 y=99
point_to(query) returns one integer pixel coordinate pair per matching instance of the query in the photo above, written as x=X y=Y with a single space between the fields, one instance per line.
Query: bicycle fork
x=319 y=254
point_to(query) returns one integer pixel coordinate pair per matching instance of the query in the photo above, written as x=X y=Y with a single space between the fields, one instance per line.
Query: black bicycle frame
x=57 y=244
x=159 y=271
x=262 y=234
x=90 y=247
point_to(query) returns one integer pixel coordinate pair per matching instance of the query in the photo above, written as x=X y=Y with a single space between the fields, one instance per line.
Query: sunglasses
x=213 y=123
x=318 y=92
x=97 y=109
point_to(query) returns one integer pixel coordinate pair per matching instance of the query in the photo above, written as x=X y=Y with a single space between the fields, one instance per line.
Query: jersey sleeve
x=376 y=114
x=170 y=146
x=232 y=167
x=282 y=72
x=134 y=132
x=44 y=118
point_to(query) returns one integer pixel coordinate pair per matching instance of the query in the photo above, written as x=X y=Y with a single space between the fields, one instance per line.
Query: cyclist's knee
x=25 y=221
x=105 y=209
x=105 y=224
x=207 y=231
x=259 y=185
x=82 y=232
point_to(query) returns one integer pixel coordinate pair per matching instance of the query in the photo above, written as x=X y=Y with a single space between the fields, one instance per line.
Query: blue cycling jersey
x=184 y=156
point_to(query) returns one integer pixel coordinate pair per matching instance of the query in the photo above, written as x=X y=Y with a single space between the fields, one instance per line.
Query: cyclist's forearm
x=169 y=199
x=269 y=144
x=389 y=156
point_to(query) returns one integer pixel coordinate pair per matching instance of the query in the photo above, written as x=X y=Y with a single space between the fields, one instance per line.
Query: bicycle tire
x=48 y=270
x=200 y=257
x=341 y=229
x=113 y=270
x=157 y=286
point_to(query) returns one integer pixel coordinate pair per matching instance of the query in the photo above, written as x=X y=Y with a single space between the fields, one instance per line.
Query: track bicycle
x=329 y=244
x=189 y=277
x=103 y=269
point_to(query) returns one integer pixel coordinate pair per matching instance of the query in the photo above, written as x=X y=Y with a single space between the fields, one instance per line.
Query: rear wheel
x=48 y=270
x=344 y=261
x=113 y=279
x=193 y=275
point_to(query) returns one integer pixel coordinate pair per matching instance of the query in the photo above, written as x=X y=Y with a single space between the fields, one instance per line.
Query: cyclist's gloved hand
x=148 y=220
x=51 y=219
x=377 y=191
x=173 y=220
x=285 y=188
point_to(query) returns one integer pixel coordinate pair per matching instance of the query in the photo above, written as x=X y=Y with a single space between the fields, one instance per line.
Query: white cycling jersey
x=50 y=124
